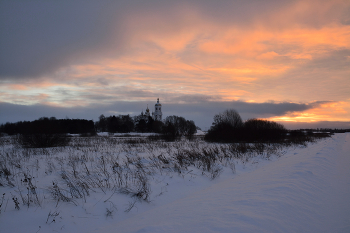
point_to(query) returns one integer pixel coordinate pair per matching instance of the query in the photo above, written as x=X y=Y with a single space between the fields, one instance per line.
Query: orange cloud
x=18 y=87
x=332 y=111
x=268 y=55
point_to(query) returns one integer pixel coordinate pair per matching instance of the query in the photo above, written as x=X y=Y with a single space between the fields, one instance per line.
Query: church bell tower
x=157 y=114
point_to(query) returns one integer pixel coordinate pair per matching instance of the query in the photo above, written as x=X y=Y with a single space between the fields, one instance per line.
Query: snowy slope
x=308 y=190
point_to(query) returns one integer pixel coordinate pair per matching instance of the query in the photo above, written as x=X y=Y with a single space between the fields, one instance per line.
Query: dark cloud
x=39 y=37
x=202 y=112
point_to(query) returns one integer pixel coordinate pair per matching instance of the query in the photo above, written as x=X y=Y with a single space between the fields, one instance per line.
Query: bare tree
x=227 y=127
x=229 y=116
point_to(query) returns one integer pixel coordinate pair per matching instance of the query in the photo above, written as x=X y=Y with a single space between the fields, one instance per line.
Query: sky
x=286 y=61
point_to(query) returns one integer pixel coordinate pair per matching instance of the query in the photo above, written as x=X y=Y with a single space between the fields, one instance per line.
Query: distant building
x=143 y=115
x=157 y=114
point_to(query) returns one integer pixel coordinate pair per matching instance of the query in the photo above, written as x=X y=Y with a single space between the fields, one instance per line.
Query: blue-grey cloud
x=38 y=37
x=202 y=112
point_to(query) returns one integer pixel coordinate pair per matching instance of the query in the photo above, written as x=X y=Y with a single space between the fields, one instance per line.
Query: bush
x=262 y=130
x=222 y=132
x=42 y=140
x=229 y=127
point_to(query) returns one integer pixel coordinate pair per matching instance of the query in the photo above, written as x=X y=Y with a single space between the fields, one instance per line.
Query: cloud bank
x=201 y=111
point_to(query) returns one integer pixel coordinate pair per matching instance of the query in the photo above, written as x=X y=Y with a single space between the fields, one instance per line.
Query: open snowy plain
x=108 y=186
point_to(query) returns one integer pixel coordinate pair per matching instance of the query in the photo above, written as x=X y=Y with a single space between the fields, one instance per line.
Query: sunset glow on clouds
x=287 y=61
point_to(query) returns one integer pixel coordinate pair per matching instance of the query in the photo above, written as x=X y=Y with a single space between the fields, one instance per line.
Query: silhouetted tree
x=127 y=124
x=229 y=116
x=226 y=127
x=175 y=126
x=101 y=125
x=157 y=126
x=113 y=124
x=141 y=126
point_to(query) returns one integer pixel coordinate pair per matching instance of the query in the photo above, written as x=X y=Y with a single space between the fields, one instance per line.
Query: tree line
x=173 y=126
x=45 y=125
x=228 y=126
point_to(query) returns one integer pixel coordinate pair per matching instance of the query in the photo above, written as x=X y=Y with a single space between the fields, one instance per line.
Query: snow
x=305 y=190
x=126 y=134
x=200 y=132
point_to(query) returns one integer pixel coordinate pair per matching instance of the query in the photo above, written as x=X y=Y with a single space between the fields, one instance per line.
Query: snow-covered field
x=142 y=187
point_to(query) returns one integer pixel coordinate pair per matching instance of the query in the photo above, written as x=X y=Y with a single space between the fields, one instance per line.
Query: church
x=157 y=114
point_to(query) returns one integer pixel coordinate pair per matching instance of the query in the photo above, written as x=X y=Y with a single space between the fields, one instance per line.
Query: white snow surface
x=199 y=132
x=126 y=134
x=305 y=190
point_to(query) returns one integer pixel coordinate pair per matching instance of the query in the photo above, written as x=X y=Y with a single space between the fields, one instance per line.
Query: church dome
x=158 y=104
